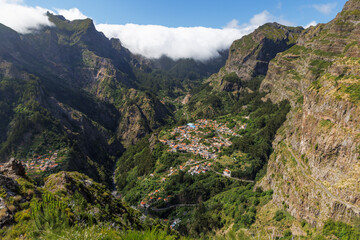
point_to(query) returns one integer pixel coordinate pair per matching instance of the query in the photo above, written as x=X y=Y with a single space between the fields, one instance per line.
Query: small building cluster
x=43 y=162
x=152 y=198
x=198 y=169
x=204 y=138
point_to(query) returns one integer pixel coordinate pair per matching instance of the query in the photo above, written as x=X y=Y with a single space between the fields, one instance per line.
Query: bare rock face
x=13 y=168
x=249 y=56
x=141 y=114
x=315 y=168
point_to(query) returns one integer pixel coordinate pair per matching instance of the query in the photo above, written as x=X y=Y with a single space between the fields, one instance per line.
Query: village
x=191 y=167
x=43 y=162
x=205 y=138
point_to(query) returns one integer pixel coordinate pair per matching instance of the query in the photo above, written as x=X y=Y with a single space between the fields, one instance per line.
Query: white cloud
x=22 y=18
x=232 y=24
x=279 y=5
x=312 y=23
x=71 y=14
x=325 y=8
x=200 y=43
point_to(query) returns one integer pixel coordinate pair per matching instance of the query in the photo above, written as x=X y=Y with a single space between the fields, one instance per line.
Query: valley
x=260 y=142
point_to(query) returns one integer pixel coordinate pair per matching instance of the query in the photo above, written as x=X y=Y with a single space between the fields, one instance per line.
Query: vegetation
x=341 y=230
x=232 y=78
x=319 y=66
x=354 y=92
x=73 y=206
x=143 y=170
x=97 y=232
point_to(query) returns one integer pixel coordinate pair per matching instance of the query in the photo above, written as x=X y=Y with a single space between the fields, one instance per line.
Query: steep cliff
x=315 y=168
x=249 y=56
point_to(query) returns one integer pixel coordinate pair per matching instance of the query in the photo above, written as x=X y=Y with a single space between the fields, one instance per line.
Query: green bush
x=232 y=77
x=341 y=230
x=279 y=215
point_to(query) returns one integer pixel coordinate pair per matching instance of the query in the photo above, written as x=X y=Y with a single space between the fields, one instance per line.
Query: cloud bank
x=21 y=18
x=153 y=41
x=200 y=43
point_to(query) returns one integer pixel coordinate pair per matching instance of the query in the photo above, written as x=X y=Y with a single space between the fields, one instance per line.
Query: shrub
x=232 y=77
x=279 y=215
x=49 y=214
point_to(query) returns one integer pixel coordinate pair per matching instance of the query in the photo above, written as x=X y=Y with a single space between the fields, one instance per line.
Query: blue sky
x=196 y=29
x=189 y=13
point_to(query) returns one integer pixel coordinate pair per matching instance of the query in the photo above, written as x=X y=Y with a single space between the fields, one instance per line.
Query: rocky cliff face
x=249 y=56
x=315 y=168
x=141 y=113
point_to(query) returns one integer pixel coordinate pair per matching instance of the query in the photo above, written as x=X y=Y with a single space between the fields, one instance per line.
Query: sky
x=177 y=28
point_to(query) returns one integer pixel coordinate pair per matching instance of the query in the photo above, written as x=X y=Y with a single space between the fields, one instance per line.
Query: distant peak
x=62 y=23
x=51 y=16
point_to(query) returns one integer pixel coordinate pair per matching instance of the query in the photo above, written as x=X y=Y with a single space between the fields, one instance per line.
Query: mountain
x=190 y=68
x=70 y=90
x=249 y=56
x=314 y=169
x=244 y=70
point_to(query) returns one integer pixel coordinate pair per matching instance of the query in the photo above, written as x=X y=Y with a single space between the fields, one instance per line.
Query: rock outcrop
x=13 y=168
x=315 y=168
x=249 y=56
x=9 y=188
